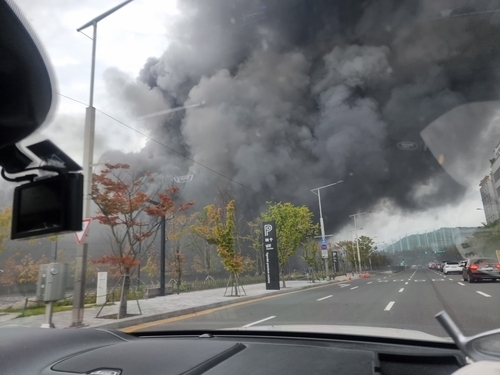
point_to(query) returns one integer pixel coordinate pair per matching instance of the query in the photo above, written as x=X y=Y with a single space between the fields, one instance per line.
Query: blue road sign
x=323 y=240
x=323 y=246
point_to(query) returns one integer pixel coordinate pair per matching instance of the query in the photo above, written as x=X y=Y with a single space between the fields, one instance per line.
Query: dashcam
x=48 y=206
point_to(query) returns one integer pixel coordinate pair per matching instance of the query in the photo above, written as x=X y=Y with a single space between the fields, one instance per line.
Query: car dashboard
x=106 y=352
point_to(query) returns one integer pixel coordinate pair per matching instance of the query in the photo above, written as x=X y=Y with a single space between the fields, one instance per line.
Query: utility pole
x=321 y=223
x=88 y=155
x=354 y=216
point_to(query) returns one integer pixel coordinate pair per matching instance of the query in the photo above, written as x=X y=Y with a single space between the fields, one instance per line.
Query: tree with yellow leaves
x=5 y=223
x=220 y=230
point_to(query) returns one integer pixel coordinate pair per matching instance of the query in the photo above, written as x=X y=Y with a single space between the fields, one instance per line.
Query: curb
x=132 y=321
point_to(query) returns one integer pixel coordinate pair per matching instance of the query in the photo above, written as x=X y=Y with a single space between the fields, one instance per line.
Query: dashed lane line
x=483 y=294
x=400 y=290
x=461 y=283
x=259 y=321
x=321 y=299
x=355 y=287
x=406 y=283
x=389 y=306
x=369 y=282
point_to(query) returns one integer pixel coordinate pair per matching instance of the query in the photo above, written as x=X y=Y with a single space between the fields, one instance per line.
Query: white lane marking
x=344 y=285
x=483 y=294
x=437 y=279
x=354 y=287
x=419 y=281
x=369 y=282
x=400 y=290
x=385 y=277
x=406 y=283
x=321 y=299
x=260 y=321
x=450 y=279
x=461 y=283
x=389 y=306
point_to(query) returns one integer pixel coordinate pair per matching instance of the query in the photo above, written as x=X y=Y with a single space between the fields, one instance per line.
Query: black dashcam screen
x=41 y=206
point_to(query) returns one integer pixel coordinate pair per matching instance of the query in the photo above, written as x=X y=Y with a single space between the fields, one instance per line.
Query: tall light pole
x=357 y=239
x=88 y=155
x=354 y=232
x=317 y=191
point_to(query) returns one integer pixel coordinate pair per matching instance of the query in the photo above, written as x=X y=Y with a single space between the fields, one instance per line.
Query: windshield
x=271 y=163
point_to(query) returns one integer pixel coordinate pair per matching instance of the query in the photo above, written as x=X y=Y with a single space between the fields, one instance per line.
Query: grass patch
x=40 y=310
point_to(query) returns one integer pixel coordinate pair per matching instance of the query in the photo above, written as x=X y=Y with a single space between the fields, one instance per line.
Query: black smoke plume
x=298 y=94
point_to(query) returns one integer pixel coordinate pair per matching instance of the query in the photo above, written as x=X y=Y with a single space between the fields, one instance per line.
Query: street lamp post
x=357 y=239
x=317 y=191
x=355 y=233
x=88 y=154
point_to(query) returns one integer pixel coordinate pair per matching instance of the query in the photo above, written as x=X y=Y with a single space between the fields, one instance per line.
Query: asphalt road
x=409 y=300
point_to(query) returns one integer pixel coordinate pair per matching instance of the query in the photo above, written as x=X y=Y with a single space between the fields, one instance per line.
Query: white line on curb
x=259 y=321
x=483 y=294
x=389 y=306
x=321 y=299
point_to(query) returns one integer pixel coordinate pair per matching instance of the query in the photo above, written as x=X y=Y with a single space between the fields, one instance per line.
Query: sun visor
x=26 y=79
x=463 y=140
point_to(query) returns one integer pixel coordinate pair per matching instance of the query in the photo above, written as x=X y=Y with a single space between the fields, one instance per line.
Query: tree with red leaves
x=124 y=202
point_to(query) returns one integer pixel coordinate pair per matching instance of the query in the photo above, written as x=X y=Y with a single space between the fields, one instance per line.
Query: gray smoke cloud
x=298 y=94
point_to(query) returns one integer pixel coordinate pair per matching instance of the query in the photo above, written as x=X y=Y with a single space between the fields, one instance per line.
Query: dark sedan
x=481 y=269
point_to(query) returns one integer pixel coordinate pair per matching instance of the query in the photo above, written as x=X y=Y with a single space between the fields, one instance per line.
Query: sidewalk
x=162 y=307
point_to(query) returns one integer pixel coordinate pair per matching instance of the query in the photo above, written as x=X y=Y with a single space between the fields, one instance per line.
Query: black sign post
x=335 y=256
x=271 y=256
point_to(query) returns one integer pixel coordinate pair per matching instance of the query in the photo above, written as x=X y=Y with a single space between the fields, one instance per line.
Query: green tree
x=255 y=239
x=205 y=259
x=310 y=256
x=176 y=233
x=485 y=240
x=366 y=248
x=293 y=225
x=5 y=222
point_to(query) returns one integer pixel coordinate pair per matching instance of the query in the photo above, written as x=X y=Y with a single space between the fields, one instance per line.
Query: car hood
x=395 y=333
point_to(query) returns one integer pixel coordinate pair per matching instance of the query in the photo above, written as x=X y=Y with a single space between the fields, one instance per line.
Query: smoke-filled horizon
x=298 y=94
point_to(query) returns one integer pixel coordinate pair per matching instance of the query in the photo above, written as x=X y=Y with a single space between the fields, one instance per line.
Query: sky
x=126 y=39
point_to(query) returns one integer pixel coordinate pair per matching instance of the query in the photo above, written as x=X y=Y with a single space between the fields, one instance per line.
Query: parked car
x=481 y=268
x=452 y=267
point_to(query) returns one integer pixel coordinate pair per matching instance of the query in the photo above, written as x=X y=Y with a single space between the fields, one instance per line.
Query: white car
x=452 y=267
